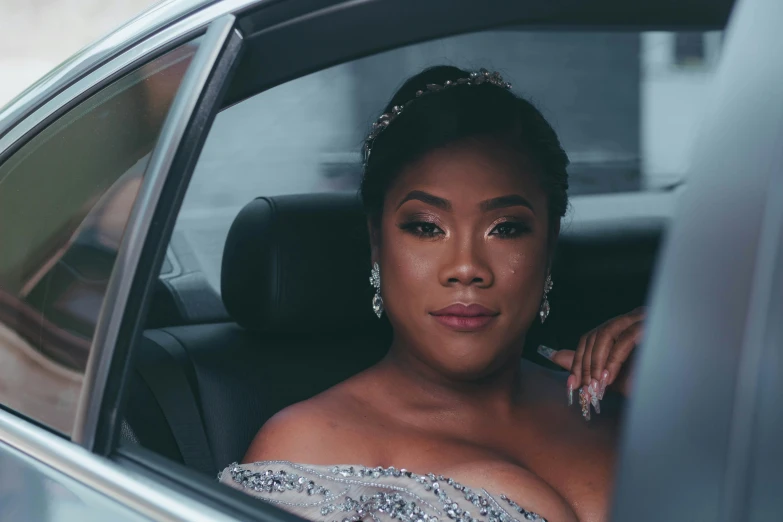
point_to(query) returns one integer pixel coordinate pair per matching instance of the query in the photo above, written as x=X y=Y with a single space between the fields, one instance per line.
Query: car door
x=699 y=434
x=281 y=26
x=72 y=180
x=287 y=28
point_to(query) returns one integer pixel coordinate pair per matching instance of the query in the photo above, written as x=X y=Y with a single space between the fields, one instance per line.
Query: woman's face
x=464 y=252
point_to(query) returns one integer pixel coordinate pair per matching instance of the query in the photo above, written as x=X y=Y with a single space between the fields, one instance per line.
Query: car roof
x=159 y=15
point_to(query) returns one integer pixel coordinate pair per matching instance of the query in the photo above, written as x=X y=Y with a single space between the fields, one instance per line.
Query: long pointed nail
x=602 y=390
x=584 y=402
x=546 y=352
x=593 y=391
x=570 y=384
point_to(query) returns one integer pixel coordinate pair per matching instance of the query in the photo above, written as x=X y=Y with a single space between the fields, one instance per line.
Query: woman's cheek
x=413 y=262
x=516 y=261
x=521 y=270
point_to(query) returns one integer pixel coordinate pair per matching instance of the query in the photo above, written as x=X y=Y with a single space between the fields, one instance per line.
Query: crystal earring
x=375 y=281
x=543 y=312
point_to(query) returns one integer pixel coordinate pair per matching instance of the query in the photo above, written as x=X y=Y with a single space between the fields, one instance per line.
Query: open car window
x=250 y=154
x=625 y=105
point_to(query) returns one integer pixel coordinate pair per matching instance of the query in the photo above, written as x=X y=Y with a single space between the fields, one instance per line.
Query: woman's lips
x=464 y=317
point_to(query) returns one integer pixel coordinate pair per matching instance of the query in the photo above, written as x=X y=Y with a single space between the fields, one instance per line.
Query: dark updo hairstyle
x=455 y=114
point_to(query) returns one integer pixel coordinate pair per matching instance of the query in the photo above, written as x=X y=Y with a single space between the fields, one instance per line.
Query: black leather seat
x=295 y=281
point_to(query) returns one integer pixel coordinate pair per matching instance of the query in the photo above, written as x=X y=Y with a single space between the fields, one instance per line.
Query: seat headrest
x=299 y=264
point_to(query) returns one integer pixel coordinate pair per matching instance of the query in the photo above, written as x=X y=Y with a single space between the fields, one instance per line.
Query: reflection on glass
x=65 y=198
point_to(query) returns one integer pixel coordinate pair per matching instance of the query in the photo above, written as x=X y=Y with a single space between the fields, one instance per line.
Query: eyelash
x=428 y=230
x=518 y=228
x=423 y=229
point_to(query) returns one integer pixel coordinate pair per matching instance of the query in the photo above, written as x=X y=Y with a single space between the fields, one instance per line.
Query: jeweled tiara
x=476 y=78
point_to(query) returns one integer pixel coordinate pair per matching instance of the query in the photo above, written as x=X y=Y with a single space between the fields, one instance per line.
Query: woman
x=464 y=187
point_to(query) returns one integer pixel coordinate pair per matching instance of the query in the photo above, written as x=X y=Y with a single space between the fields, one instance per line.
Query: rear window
x=625 y=105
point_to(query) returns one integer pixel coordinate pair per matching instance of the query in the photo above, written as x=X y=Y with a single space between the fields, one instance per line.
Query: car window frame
x=193 y=108
x=298 y=21
x=290 y=21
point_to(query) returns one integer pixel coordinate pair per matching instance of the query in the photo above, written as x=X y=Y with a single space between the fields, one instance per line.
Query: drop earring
x=543 y=312
x=375 y=281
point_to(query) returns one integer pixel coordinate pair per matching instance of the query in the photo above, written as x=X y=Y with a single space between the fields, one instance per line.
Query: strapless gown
x=353 y=493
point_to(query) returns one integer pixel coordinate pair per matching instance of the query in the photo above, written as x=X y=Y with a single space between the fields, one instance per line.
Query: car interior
x=293 y=314
x=298 y=320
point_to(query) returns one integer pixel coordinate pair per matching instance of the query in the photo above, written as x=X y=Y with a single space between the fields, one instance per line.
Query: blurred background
x=37 y=35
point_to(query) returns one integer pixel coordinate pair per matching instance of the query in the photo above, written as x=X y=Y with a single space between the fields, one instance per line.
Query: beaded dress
x=354 y=493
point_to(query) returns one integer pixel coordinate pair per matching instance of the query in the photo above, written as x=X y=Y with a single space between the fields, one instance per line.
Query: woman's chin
x=466 y=361
x=458 y=355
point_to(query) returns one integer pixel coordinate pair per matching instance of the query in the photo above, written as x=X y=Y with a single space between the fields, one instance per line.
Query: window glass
x=623 y=103
x=65 y=198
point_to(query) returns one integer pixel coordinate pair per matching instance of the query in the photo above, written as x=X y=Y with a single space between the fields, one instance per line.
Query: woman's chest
x=482 y=468
x=553 y=467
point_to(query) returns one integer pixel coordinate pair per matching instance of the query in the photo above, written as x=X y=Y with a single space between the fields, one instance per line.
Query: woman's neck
x=416 y=381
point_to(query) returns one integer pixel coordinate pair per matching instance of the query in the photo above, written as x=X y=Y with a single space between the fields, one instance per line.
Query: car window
x=65 y=198
x=625 y=105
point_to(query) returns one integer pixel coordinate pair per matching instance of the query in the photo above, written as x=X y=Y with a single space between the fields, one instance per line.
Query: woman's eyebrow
x=512 y=200
x=426 y=197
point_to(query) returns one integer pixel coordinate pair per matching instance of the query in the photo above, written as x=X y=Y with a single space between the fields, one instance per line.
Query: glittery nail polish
x=584 y=402
x=593 y=391
x=570 y=385
x=546 y=352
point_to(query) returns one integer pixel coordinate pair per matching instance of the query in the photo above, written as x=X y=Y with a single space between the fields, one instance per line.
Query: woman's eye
x=508 y=229
x=423 y=229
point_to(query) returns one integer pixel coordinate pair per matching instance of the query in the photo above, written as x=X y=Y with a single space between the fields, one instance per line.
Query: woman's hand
x=601 y=359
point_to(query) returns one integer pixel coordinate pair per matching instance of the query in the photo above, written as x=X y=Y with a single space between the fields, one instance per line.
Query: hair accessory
x=543 y=312
x=383 y=121
x=375 y=281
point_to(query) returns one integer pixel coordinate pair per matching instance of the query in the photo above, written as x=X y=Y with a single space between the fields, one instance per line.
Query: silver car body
x=46 y=477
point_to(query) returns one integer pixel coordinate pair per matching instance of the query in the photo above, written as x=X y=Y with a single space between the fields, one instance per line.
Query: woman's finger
x=604 y=342
x=576 y=365
x=607 y=335
x=638 y=312
x=622 y=348
x=584 y=375
x=587 y=386
x=575 y=379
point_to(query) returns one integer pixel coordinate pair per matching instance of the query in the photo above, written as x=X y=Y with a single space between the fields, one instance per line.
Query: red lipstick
x=464 y=318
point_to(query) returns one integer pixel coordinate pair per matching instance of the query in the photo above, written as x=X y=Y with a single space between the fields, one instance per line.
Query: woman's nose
x=466 y=266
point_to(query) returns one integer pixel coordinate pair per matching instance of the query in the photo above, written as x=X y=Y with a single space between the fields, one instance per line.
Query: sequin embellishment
x=450 y=499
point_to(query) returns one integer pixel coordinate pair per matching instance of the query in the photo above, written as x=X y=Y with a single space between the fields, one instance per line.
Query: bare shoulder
x=323 y=430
